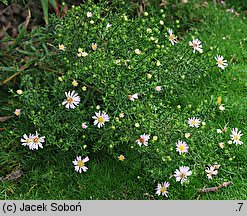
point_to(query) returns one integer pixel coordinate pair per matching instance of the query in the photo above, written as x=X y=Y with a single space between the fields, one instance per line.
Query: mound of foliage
x=132 y=76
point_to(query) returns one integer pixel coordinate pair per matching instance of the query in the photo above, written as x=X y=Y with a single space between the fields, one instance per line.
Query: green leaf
x=45 y=10
x=22 y=31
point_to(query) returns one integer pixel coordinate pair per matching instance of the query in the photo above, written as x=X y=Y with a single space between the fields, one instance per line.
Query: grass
x=110 y=179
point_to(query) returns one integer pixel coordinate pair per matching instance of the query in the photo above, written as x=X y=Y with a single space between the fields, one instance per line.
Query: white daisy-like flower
x=36 y=141
x=72 y=100
x=133 y=97
x=182 y=147
x=236 y=135
x=221 y=63
x=197 y=46
x=61 y=47
x=143 y=139
x=89 y=14
x=17 y=112
x=79 y=164
x=182 y=174
x=162 y=189
x=172 y=37
x=100 y=119
x=27 y=140
x=194 y=122
x=211 y=171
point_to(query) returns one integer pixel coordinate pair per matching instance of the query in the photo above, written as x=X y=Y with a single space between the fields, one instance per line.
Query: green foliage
x=4 y=1
x=106 y=77
x=45 y=7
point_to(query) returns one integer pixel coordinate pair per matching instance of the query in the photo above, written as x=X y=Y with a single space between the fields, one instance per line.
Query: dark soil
x=11 y=16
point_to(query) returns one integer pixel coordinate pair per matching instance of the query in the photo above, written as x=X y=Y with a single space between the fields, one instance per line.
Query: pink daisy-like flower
x=182 y=174
x=83 y=125
x=172 y=37
x=80 y=164
x=72 y=100
x=197 y=46
x=36 y=141
x=143 y=139
x=236 y=135
x=162 y=189
x=221 y=63
x=27 y=140
x=182 y=147
x=133 y=97
x=211 y=171
x=194 y=122
x=100 y=119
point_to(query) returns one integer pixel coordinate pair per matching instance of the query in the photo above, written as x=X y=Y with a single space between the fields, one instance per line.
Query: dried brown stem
x=213 y=189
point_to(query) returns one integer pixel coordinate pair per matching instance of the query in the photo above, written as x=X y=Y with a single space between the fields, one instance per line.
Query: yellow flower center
x=181 y=148
x=36 y=139
x=61 y=47
x=182 y=175
x=100 y=119
x=220 y=62
x=142 y=140
x=236 y=137
x=172 y=37
x=193 y=122
x=80 y=163
x=94 y=46
x=163 y=189
x=121 y=158
x=70 y=100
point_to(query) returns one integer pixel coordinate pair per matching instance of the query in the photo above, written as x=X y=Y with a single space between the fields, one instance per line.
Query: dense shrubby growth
x=131 y=77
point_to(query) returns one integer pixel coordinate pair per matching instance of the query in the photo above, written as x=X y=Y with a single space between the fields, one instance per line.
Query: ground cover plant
x=137 y=109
